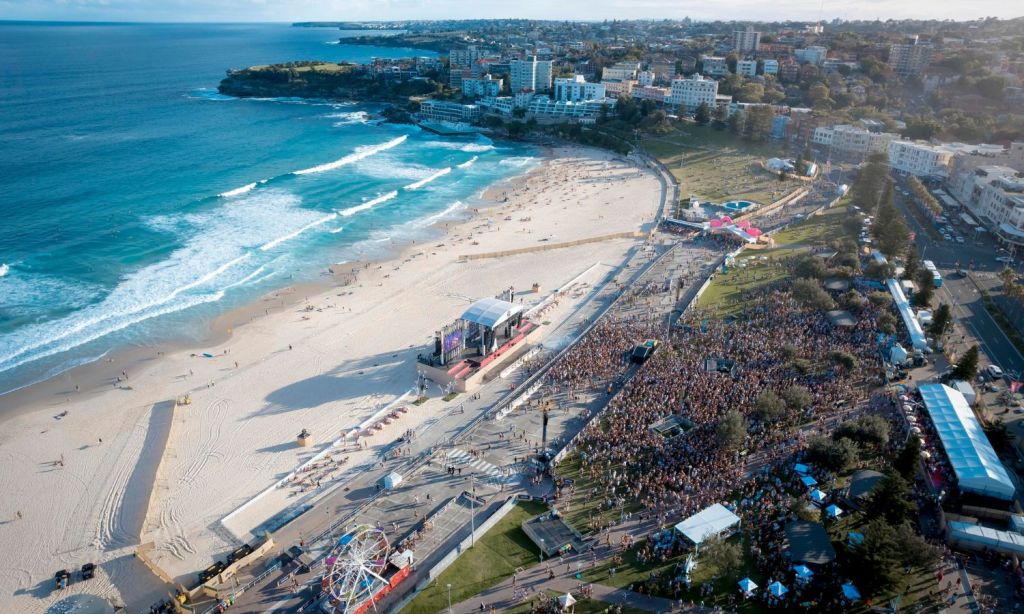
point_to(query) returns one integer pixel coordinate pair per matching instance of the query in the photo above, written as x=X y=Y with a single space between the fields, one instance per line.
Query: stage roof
x=707 y=523
x=809 y=543
x=976 y=464
x=491 y=312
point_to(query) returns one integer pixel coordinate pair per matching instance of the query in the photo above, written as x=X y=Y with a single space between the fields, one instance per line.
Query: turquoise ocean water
x=136 y=204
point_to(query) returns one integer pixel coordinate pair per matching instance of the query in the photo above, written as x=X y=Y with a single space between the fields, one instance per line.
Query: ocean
x=137 y=204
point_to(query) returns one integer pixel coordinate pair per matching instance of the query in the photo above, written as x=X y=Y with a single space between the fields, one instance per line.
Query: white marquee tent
x=976 y=464
x=707 y=523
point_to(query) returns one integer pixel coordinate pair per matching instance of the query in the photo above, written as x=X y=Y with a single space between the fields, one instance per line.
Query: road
x=962 y=293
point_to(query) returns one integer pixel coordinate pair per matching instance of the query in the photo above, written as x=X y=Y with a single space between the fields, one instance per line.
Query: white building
x=544 y=107
x=811 y=55
x=621 y=71
x=771 y=67
x=746 y=40
x=530 y=74
x=995 y=194
x=746 y=67
x=645 y=78
x=466 y=57
x=443 y=110
x=691 y=92
x=576 y=88
x=659 y=95
x=616 y=88
x=919 y=158
x=852 y=141
x=484 y=87
x=715 y=66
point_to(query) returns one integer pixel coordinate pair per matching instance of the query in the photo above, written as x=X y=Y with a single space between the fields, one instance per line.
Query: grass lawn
x=716 y=165
x=581 y=512
x=494 y=558
x=583 y=606
x=725 y=294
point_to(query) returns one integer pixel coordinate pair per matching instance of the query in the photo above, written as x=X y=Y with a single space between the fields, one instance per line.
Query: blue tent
x=777 y=589
x=854 y=538
x=833 y=511
x=850 y=592
x=801 y=468
x=809 y=481
x=748 y=586
x=803 y=571
x=817 y=496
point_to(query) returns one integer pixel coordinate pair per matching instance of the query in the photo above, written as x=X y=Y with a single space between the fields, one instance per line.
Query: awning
x=707 y=523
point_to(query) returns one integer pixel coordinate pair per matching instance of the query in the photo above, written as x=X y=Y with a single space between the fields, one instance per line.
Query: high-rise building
x=530 y=74
x=746 y=40
x=576 y=88
x=910 y=58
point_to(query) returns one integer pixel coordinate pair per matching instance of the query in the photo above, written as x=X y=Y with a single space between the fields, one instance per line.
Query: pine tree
x=926 y=289
x=940 y=321
x=967 y=367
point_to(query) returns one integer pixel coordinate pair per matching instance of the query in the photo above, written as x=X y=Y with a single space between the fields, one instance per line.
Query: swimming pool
x=737 y=205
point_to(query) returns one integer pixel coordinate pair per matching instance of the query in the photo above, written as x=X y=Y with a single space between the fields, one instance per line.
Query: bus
x=936 y=278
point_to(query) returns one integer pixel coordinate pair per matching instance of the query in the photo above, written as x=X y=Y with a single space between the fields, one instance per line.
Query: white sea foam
x=517 y=161
x=448 y=211
x=478 y=147
x=422 y=182
x=4 y=269
x=337 y=230
x=295 y=233
x=468 y=163
x=359 y=154
x=348 y=118
x=246 y=279
x=217 y=252
x=373 y=202
x=239 y=191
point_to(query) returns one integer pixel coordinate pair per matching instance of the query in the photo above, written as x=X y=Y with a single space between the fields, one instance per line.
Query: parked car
x=1004 y=259
x=994 y=372
x=960 y=240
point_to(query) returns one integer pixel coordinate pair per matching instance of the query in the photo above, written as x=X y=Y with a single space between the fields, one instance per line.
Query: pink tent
x=744 y=224
x=726 y=219
x=754 y=232
x=716 y=223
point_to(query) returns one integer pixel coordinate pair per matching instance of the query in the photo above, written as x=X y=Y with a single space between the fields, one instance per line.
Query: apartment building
x=771 y=67
x=811 y=55
x=995 y=195
x=744 y=41
x=691 y=92
x=850 y=141
x=621 y=71
x=443 y=110
x=714 y=66
x=910 y=58
x=747 y=68
x=483 y=87
x=530 y=74
x=576 y=88
x=919 y=158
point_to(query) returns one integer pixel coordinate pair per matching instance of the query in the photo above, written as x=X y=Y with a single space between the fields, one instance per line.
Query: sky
x=361 y=10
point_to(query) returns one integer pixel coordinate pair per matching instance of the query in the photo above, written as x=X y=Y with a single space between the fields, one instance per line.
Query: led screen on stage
x=452 y=341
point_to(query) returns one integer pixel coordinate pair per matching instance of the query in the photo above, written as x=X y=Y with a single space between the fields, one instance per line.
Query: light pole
x=449 y=599
x=472 y=511
x=541 y=550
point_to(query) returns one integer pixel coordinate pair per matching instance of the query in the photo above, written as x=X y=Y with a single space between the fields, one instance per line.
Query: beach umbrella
x=748 y=586
x=801 y=468
x=817 y=496
x=833 y=511
x=803 y=572
x=850 y=592
x=777 y=589
x=809 y=481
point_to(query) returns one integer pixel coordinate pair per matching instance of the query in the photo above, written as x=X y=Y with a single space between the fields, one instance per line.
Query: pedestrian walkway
x=489 y=472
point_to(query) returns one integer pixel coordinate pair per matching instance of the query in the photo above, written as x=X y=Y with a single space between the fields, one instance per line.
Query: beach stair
x=487 y=472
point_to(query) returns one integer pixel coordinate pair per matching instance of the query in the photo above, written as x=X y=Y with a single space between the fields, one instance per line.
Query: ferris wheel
x=355 y=566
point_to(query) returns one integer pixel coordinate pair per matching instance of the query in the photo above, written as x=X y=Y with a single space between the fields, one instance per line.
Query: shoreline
x=94 y=376
x=117 y=470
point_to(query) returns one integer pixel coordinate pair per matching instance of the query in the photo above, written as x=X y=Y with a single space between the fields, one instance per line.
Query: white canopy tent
x=976 y=464
x=491 y=312
x=707 y=523
x=1001 y=541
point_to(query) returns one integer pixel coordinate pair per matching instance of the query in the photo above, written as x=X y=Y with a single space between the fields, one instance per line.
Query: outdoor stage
x=489 y=336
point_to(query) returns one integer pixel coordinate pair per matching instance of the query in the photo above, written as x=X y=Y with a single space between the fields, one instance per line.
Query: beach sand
x=79 y=466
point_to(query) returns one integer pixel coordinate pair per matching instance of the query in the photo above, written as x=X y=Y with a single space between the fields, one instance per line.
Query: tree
x=731 y=431
x=915 y=551
x=912 y=262
x=702 y=115
x=877 y=559
x=844 y=360
x=887 y=323
x=909 y=458
x=891 y=501
x=757 y=124
x=726 y=556
x=834 y=455
x=751 y=92
x=925 y=290
x=940 y=321
x=769 y=406
x=797 y=397
x=879 y=271
x=809 y=266
x=870 y=431
x=967 y=367
x=880 y=299
x=867 y=187
x=809 y=293
x=735 y=122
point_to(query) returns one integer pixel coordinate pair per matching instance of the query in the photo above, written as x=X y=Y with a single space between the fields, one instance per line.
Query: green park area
x=717 y=166
x=757 y=268
x=583 y=606
x=491 y=561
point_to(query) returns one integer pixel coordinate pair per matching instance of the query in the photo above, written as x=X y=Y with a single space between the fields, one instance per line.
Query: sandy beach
x=96 y=461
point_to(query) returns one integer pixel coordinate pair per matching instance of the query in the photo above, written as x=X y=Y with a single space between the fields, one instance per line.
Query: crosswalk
x=487 y=472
